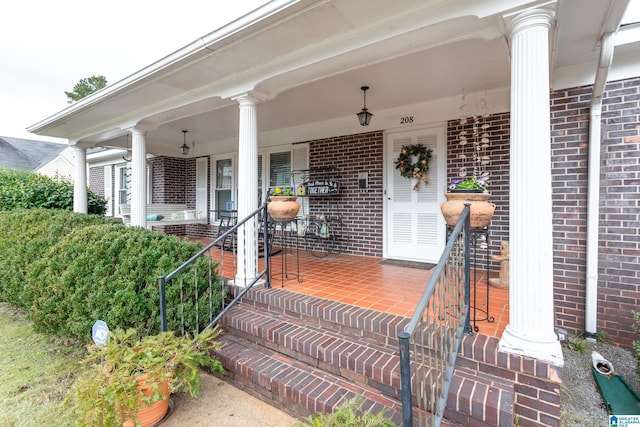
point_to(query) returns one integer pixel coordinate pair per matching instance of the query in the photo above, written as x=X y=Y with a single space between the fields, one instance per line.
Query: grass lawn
x=36 y=371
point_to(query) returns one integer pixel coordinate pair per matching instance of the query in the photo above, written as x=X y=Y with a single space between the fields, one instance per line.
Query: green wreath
x=418 y=170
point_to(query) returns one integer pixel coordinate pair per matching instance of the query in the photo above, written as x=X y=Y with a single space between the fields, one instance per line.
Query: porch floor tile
x=365 y=282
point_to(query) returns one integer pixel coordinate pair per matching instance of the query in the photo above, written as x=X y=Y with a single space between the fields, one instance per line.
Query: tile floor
x=364 y=282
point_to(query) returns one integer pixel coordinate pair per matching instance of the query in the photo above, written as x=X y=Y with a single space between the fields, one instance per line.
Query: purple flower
x=452 y=187
x=456 y=181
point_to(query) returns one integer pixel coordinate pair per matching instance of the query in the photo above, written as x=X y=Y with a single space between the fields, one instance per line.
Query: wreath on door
x=413 y=162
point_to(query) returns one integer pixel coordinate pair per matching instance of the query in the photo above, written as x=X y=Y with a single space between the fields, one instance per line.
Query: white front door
x=414 y=226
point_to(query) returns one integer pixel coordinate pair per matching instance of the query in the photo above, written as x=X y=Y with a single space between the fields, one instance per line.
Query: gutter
x=593 y=186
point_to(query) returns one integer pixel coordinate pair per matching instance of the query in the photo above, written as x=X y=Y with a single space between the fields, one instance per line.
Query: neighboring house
x=46 y=158
x=272 y=97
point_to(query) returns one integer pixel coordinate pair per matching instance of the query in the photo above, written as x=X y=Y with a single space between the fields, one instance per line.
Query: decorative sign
x=322 y=187
x=100 y=333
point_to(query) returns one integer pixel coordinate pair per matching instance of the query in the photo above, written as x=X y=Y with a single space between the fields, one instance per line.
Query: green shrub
x=110 y=272
x=27 y=235
x=349 y=414
x=22 y=189
x=68 y=270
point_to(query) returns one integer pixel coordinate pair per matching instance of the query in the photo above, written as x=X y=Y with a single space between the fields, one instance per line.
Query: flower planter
x=151 y=414
x=481 y=209
x=283 y=208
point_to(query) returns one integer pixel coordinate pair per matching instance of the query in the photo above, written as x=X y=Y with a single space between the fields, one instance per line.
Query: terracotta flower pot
x=283 y=208
x=481 y=209
x=150 y=415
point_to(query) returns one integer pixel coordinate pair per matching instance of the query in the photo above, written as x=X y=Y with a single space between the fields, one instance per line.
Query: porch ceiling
x=307 y=60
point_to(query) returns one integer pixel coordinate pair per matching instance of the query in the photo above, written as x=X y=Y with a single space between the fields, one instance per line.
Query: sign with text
x=323 y=187
x=100 y=333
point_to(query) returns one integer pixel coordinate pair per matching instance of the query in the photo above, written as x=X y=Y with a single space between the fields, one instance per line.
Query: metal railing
x=430 y=343
x=197 y=279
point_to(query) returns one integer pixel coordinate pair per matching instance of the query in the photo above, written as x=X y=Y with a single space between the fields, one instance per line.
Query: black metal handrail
x=429 y=345
x=164 y=280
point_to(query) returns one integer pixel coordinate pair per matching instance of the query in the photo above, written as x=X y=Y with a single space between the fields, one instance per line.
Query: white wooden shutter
x=300 y=167
x=108 y=188
x=201 y=186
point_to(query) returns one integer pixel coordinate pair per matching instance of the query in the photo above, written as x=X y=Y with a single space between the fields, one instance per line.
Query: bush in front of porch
x=69 y=270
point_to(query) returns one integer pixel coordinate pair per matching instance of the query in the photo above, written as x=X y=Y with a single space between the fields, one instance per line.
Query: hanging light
x=364 y=116
x=184 y=148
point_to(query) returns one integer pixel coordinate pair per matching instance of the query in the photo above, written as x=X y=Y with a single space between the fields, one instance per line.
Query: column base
x=242 y=282
x=547 y=351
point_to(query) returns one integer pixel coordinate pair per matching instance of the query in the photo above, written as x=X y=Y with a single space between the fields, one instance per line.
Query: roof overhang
x=307 y=59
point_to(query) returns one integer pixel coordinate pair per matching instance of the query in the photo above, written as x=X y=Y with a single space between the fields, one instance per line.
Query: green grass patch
x=36 y=371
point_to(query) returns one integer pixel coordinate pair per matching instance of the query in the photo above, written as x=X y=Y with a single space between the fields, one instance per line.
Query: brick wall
x=169 y=180
x=96 y=180
x=361 y=213
x=619 y=233
x=174 y=181
x=498 y=152
x=619 y=238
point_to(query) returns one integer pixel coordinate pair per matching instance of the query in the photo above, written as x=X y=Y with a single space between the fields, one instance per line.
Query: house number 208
x=406 y=120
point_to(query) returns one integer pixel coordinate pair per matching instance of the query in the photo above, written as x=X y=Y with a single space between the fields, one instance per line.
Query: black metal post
x=163 y=304
x=405 y=379
x=467 y=268
x=267 y=246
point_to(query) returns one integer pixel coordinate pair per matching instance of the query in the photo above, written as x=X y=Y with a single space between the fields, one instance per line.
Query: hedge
x=69 y=270
x=23 y=189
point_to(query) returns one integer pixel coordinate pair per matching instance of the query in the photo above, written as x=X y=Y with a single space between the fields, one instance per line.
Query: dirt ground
x=220 y=404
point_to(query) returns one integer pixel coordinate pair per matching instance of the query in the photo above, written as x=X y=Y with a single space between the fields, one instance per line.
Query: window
x=222 y=199
x=274 y=169
x=124 y=178
x=280 y=169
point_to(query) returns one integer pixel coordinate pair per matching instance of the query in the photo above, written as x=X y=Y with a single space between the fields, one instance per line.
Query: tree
x=86 y=87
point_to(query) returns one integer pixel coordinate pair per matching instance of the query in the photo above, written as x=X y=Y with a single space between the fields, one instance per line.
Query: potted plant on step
x=128 y=380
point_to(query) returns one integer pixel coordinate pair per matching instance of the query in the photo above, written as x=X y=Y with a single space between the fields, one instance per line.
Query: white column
x=531 y=317
x=138 y=178
x=247 y=260
x=80 y=180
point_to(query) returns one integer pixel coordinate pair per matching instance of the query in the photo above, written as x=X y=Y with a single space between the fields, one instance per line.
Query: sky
x=47 y=46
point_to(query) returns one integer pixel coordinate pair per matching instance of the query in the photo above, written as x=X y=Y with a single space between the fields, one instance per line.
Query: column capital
x=139 y=128
x=541 y=15
x=250 y=98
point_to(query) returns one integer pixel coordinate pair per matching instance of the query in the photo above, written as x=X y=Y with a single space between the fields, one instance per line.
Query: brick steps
x=303 y=354
x=294 y=386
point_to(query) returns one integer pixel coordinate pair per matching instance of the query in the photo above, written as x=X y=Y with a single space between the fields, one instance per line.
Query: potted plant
x=128 y=380
x=468 y=185
x=282 y=204
x=471 y=185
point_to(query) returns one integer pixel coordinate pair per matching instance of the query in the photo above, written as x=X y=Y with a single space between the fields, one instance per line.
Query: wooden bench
x=172 y=214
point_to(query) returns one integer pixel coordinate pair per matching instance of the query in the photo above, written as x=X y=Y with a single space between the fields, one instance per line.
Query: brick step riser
x=466 y=396
x=358 y=323
x=351 y=321
x=291 y=386
x=369 y=365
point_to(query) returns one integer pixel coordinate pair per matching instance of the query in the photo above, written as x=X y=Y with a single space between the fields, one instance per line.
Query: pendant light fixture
x=184 y=148
x=364 y=116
